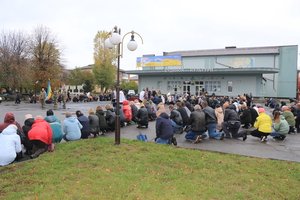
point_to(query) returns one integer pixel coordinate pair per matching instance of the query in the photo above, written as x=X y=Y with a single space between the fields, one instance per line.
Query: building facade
x=261 y=71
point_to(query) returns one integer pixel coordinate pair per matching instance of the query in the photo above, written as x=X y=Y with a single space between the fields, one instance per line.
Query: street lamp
x=116 y=39
x=35 y=91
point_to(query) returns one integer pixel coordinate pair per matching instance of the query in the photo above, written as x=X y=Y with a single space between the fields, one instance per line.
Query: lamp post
x=35 y=91
x=115 y=39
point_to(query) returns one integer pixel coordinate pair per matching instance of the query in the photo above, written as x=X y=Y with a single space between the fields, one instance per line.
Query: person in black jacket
x=211 y=121
x=254 y=114
x=102 y=121
x=134 y=111
x=84 y=121
x=142 y=116
x=232 y=123
x=29 y=120
x=110 y=117
x=245 y=116
x=198 y=125
x=164 y=130
x=176 y=119
x=183 y=113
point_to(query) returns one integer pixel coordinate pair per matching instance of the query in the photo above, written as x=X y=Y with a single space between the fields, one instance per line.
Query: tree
x=79 y=77
x=15 y=72
x=45 y=56
x=87 y=86
x=104 y=69
x=104 y=75
x=129 y=85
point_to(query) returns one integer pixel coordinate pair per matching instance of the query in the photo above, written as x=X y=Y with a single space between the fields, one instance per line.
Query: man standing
x=43 y=98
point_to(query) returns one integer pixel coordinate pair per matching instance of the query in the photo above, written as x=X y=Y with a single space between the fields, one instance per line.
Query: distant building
x=261 y=71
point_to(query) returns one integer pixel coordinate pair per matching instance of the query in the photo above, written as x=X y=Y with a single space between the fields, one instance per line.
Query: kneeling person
x=198 y=126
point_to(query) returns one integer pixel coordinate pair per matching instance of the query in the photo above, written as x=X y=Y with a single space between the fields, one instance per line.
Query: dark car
x=7 y=97
x=132 y=97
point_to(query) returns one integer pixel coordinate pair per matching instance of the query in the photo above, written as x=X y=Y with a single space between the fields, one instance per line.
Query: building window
x=174 y=87
x=212 y=86
x=229 y=84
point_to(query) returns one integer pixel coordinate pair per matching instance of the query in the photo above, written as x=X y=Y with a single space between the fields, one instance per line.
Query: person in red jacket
x=127 y=111
x=40 y=135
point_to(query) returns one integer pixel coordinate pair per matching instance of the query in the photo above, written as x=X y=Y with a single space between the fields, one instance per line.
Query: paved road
x=289 y=149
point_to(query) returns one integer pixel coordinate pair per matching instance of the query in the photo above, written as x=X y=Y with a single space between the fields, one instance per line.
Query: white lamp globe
x=132 y=45
x=108 y=44
x=115 y=38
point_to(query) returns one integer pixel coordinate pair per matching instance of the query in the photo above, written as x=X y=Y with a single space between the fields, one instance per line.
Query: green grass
x=97 y=169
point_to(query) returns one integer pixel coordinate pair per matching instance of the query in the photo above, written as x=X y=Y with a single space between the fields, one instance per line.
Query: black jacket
x=142 y=115
x=176 y=117
x=184 y=115
x=230 y=115
x=197 y=121
x=246 y=116
x=102 y=120
x=210 y=116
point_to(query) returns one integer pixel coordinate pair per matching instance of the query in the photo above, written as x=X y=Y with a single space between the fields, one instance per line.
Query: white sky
x=165 y=25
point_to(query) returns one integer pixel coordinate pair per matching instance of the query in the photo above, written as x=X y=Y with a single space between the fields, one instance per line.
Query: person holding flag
x=43 y=98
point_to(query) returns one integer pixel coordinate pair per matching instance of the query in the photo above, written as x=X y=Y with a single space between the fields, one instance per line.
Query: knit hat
x=260 y=110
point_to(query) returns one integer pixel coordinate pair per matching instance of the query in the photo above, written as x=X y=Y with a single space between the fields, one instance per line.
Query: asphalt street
x=288 y=150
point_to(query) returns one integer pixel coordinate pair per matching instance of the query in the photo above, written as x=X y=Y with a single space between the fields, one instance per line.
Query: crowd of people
x=199 y=117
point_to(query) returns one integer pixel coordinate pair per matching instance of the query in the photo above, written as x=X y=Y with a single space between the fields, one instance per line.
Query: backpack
x=142 y=137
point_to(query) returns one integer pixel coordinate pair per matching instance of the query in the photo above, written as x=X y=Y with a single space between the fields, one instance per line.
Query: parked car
x=131 y=92
x=7 y=97
x=132 y=97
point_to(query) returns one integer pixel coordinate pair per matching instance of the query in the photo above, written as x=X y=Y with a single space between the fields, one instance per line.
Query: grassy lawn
x=97 y=169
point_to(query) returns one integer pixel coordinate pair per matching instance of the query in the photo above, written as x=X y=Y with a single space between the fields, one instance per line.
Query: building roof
x=90 y=67
x=227 y=51
x=257 y=70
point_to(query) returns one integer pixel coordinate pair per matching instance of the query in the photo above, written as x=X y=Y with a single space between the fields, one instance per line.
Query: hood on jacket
x=51 y=118
x=232 y=107
x=10 y=130
x=100 y=112
x=71 y=119
x=282 y=117
x=164 y=115
x=125 y=103
x=9 y=118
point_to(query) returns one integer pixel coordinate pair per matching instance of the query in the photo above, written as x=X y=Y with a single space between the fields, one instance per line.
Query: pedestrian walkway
x=289 y=149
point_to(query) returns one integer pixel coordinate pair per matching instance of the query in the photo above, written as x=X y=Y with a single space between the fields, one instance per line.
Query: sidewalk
x=289 y=149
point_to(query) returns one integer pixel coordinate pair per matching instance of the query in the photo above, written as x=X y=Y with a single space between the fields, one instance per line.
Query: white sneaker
x=198 y=139
x=263 y=139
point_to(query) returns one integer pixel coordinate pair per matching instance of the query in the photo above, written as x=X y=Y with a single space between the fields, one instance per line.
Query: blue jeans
x=211 y=128
x=176 y=128
x=192 y=135
x=162 y=141
x=276 y=135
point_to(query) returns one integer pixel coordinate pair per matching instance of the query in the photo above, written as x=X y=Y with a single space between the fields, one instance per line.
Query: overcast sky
x=165 y=25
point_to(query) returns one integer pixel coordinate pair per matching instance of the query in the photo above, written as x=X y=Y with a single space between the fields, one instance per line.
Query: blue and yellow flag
x=49 y=91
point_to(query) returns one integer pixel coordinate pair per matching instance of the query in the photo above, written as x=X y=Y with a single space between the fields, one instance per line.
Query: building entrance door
x=187 y=87
x=199 y=87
